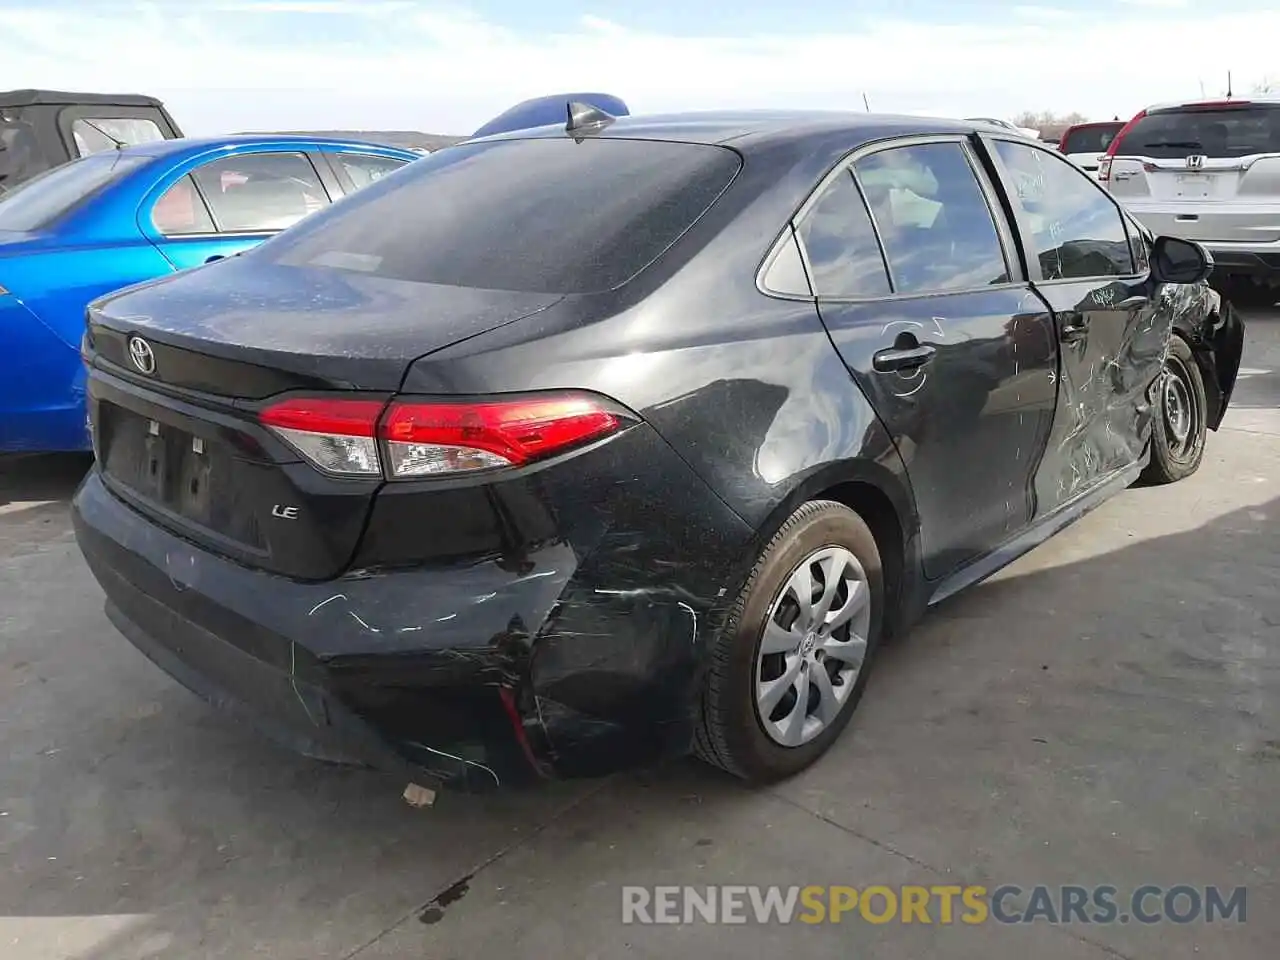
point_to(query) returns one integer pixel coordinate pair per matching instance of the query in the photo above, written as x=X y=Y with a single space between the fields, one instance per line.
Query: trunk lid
x=247 y=329
x=178 y=437
x=1204 y=171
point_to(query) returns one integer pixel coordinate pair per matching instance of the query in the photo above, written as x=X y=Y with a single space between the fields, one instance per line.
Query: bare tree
x=1267 y=85
x=1047 y=118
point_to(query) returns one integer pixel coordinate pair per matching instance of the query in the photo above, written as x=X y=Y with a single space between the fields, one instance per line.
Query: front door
x=942 y=334
x=1113 y=336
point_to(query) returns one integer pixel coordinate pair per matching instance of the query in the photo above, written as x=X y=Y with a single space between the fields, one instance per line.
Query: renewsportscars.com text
x=937 y=904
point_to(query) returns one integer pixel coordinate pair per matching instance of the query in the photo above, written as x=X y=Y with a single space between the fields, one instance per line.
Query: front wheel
x=790 y=663
x=1180 y=419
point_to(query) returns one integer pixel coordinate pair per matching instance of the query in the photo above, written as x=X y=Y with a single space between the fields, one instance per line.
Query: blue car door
x=232 y=203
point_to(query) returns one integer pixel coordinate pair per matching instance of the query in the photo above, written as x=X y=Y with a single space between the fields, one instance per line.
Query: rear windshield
x=38 y=202
x=539 y=215
x=1218 y=132
x=1091 y=139
x=95 y=134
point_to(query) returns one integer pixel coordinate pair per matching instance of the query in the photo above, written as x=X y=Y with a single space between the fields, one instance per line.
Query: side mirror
x=1174 y=260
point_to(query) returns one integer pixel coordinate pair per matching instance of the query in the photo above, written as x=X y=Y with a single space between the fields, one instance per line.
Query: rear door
x=230 y=204
x=1112 y=335
x=1204 y=172
x=916 y=283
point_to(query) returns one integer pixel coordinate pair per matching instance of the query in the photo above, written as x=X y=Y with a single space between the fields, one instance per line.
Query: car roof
x=747 y=129
x=1212 y=102
x=30 y=97
x=196 y=145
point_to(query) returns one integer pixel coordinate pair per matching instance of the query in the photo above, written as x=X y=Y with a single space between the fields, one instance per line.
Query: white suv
x=1207 y=171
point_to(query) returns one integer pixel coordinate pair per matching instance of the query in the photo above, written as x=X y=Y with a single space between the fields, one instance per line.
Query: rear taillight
x=431 y=438
x=410 y=438
x=1113 y=148
x=338 y=435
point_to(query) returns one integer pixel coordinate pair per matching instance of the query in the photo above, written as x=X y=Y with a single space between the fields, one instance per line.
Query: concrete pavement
x=1105 y=711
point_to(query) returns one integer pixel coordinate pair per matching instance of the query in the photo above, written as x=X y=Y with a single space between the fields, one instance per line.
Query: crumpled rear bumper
x=581 y=659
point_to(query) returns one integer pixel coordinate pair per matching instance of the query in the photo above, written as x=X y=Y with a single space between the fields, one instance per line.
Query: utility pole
x=865 y=103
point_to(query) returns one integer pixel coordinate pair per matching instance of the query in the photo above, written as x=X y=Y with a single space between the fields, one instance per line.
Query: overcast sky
x=446 y=67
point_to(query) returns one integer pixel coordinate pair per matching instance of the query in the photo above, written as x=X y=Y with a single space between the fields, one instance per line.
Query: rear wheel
x=1179 y=428
x=792 y=659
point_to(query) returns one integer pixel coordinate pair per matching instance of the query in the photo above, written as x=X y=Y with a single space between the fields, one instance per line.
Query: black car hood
x=323 y=324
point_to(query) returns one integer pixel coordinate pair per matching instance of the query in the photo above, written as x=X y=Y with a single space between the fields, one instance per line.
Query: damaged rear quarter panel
x=609 y=568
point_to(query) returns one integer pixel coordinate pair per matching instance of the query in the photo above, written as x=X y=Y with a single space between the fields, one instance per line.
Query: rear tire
x=777 y=645
x=1180 y=418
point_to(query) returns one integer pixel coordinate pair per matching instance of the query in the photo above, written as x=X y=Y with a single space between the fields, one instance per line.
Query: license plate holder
x=1194 y=184
x=170 y=466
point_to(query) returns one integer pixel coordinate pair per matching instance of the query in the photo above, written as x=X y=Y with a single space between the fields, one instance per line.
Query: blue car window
x=37 y=203
x=364 y=168
x=181 y=211
x=260 y=192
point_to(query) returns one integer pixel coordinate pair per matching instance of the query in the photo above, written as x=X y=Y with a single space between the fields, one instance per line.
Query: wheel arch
x=1217 y=344
x=886 y=504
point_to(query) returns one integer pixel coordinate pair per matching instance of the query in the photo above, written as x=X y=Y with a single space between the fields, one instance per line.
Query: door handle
x=1076 y=330
x=216 y=256
x=903 y=358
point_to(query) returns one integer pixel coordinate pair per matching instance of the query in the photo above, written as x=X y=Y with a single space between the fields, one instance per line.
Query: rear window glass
x=540 y=215
x=95 y=134
x=1221 y=132
x=1091 y=139
x=38 y=202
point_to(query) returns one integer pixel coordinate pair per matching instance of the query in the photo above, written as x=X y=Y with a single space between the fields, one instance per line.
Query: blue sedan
x=121 y=217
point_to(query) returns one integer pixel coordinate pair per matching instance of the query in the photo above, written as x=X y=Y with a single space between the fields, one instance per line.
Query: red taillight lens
x=337 y=434
x=423 y=438
x=1113 y=148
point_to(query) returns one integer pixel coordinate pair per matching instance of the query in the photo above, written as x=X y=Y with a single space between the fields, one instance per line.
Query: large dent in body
x=1105 y=405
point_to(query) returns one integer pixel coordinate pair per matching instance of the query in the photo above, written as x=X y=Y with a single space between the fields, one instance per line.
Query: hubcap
x=812 y=646
x=1179 y=413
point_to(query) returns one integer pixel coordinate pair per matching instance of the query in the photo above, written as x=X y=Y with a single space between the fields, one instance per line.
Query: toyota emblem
x=141 y=354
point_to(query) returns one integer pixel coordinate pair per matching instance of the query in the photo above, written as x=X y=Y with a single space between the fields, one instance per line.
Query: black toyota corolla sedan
x=571 y=449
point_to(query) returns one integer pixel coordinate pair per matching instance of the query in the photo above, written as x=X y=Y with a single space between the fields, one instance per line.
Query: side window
x=840 y=243
x=180 y=210
x=363 y=168
x=260 y=192
x=1141 y=246
x=937 y=228
x=1076 y=230
x=95 y=134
